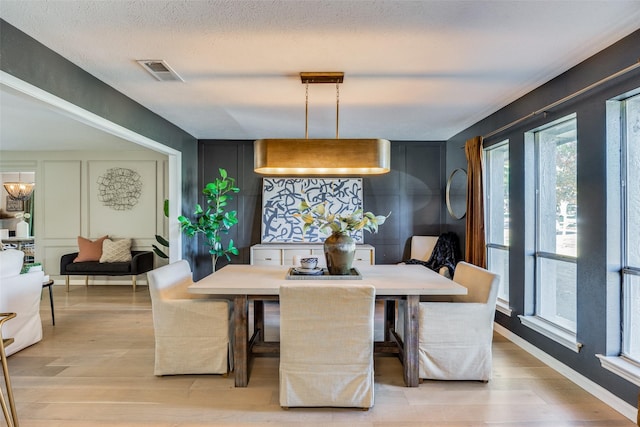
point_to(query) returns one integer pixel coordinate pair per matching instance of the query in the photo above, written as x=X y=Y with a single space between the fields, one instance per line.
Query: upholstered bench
x=141 y=262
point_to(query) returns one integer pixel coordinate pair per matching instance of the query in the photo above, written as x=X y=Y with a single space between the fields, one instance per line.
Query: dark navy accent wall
x=594 y=296
x=413 y=192
x=34 y=63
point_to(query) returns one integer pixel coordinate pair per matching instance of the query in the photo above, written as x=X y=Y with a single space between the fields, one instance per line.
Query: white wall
x=66 y=203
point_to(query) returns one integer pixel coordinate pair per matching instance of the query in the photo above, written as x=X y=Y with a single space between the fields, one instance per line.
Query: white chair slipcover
x=455 y=337
x=20 y=294
x=422 y=247
x=191 y=331
x=326 y=345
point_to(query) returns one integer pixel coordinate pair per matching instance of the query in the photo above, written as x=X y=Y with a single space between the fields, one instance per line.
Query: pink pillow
x=89 y=250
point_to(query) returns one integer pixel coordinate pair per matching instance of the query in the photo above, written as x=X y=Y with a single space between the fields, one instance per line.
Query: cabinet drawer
x=266 y=257
x=363 y=256
x=289 y=254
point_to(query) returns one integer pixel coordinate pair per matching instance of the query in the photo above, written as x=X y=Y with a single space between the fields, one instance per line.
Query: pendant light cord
x=337 y=109
x=306 y=112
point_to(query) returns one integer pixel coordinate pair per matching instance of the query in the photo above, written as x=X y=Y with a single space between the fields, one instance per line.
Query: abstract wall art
x=282 y=196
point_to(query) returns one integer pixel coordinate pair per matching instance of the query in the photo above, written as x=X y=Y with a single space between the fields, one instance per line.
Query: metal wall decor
x=282 y=196
x=119 y=188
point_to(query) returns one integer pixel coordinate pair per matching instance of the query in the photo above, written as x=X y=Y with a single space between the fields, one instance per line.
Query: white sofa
x=20 y=294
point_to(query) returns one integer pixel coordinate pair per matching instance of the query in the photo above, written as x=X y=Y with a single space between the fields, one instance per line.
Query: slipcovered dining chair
x=191 y=331
x=455 y=337
x=326 y=345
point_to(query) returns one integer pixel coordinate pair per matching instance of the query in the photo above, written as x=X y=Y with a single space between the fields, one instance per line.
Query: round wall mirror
x=456 y=193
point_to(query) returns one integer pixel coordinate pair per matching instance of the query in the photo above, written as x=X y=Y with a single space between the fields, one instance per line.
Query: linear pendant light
x=339 y=156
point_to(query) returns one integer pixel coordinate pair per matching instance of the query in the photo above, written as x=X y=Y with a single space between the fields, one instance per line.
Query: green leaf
x=307 y=218
x=162 y=241
x=166 y=208
x=159 y=252
x=303 y=206
x=223 y=173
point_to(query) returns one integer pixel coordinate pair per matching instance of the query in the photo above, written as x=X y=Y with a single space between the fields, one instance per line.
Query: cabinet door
x=266 y=257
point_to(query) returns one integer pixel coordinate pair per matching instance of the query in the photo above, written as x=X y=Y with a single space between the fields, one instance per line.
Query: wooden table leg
x=240 y=349
x=258 y=320
x=411 y=363
x=389 y=318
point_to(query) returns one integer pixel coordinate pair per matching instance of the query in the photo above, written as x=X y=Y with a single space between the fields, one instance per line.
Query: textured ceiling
x=414 y=70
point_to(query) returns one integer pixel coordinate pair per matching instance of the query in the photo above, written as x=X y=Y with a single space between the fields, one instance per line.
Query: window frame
x=627 y=269
x=502 y=304
x=616 y=360
x=561 y=333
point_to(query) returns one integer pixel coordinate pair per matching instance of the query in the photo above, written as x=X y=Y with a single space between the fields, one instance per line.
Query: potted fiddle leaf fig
x=213 y=219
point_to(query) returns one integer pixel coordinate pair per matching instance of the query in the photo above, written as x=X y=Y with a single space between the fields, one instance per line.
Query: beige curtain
x=475 y=249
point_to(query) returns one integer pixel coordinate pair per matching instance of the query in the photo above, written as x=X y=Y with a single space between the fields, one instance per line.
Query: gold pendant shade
x=339 y=156
x=321 y=156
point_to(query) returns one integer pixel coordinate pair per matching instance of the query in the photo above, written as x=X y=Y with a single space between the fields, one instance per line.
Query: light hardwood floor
x=95 y=368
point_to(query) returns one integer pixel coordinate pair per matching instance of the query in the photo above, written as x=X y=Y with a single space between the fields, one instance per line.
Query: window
x=623 y=138
x=631 y=229
x=497 y=216
x=556 y=231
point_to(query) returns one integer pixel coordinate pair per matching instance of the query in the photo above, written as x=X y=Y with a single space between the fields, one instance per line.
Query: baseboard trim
x=627 y=410
x=100 y=282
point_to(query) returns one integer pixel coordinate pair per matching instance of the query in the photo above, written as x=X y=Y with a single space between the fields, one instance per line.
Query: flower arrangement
x=320 y=216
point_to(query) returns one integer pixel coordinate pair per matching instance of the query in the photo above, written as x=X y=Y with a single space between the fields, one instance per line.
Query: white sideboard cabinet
x=284 y=253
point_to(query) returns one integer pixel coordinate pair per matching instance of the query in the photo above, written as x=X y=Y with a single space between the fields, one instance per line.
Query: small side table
x=48 y=284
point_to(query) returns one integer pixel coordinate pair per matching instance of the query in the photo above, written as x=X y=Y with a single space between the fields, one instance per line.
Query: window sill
x=621 y=367
x=560 y=336
x=504 y=308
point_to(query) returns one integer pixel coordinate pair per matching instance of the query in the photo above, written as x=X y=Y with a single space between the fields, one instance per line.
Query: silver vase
x=339 y=251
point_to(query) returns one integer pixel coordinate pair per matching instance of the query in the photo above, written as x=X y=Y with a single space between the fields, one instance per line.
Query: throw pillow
x=116 y=250
x=89 y=250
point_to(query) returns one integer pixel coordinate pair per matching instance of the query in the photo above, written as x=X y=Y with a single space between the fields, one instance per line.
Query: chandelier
x=339 y=156
x=19 y=190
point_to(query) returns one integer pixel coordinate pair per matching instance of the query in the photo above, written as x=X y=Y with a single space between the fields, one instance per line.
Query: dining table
x=242 y=284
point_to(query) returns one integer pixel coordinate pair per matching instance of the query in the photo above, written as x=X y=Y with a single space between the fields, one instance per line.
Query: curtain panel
x=475 y=248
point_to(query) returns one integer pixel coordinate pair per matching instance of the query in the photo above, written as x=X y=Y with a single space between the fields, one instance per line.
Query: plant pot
x=339 y=250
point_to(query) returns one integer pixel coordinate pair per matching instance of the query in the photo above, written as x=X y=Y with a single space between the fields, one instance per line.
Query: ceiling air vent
x=160 y=70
